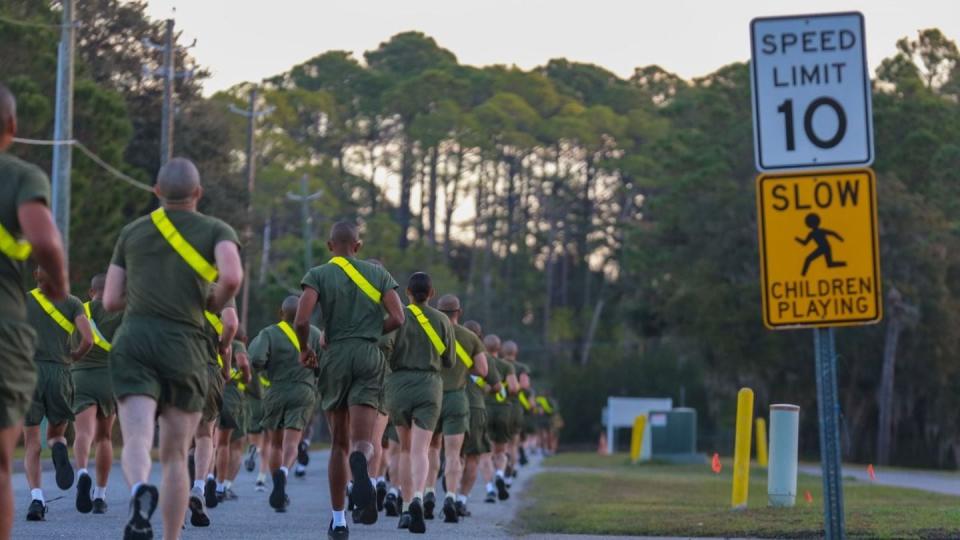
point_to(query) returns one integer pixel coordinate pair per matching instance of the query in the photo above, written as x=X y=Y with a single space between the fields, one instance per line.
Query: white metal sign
x=811 y=92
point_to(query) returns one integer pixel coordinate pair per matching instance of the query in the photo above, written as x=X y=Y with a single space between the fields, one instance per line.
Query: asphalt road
x=250 y=517
x=933 y=481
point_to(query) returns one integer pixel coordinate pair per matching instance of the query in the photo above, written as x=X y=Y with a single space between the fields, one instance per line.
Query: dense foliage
x=608 y=224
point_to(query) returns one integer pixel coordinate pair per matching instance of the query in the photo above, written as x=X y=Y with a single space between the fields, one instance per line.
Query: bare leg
x=275 y=441
x=405 y=478
x=453 y=472
x=236 y=456
x=103 y=439
x=176 y=427
x=433 y=459
x=419 y=447
x=487 y=467
x=291 y=439
x=31 y=456
x=337 y=470
x=137 y=415
x=377 y=461
x=8 y=441
x=203 y=451
x=223 y=454
x=469 y=475
x=85 y=426
x=362 y=421
x=499 y=457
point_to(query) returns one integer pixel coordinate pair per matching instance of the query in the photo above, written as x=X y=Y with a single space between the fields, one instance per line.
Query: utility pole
x=305 y=199
x=63 y=125
x=252 y=114
x=168 y=73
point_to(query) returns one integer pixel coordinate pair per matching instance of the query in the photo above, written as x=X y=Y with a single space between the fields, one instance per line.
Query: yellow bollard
x=761 y=439
x=636 y=438
x=741 y=453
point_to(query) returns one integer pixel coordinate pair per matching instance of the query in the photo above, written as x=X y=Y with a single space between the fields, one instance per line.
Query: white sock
x=299 y=468
x=285 y=471
x=429 y=490
x=509 y=481
x=373 y=483
x=81 y=472
x=339 y=519
x=211 y=477
x=462 y=498
x=393 y=491
x=382 y=479
x=418 y=495
x=133 y=490
x=220 y=487
x=198 y=484
x=37 y=495
x=306 y=441
x=261 y=477
x=227 y=484
x=450 y=495
x=500 y=473
x=490 y=487
x=100 y=492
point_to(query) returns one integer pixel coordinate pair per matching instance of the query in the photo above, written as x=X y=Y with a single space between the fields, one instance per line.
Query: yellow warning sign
x=819 y=253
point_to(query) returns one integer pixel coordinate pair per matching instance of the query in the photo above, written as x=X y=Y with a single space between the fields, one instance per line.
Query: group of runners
x=411 y=393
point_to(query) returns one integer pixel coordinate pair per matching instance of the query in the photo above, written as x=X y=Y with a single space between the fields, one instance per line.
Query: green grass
x=591 y=494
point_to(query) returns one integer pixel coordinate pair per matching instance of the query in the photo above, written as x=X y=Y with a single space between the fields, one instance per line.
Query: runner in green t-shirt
x=351 y=372
x=230 y=430
x=500 y=414
x=426 y=345
x=159 y=355
x=509 y=351
x=455 y=410
x=94 y=403
x=55 y=323
x=24 y=215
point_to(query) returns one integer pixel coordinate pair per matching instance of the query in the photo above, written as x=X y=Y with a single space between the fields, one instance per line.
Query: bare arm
x=230 y=324
x=480 y=367
x=301 y=325
x=524 y=380
x=115 y=290
x=513 y=386
x=38 y=228
x=230 y=275
x=395 y=316
x=86 y=337
x=243 y=364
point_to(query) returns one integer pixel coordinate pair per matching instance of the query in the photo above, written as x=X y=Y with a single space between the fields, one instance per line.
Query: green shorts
x=232 y=413
x=454 y=413
x=213 y=403
x=516 y=418
x=499 y=422
x=164 y=360
x=53 y=397
x=92 y=388
x=351 y=373
x=254 y=415
x=288 y=407
x=390 y=434
x=478 y=438
x=18 y=374
x=414 y=397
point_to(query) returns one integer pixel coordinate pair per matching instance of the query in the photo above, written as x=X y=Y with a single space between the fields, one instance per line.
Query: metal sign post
x=828 y=409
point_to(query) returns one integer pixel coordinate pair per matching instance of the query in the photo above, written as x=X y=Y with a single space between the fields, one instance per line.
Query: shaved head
x=288 y=310
x=8 y=117
x=492 y=343
x=178 y=181
x=448 y=303
x=98 y=282
x=509 y=349
x=344 y=233
x=474 y=327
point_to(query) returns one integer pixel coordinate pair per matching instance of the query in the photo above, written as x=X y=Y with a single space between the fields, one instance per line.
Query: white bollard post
x=782 y=472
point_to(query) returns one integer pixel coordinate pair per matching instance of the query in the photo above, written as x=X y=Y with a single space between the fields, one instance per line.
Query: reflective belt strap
x=357 y=278
x=291 y=335
x=18 y=250
x=523 y=400
x=428 y=328
x=545 y=404
x=183 y=248
x=98 y=338
x=264 y=382
x=53 y=312
x=501 y=395
x=464 y=356
x=217 y=325
x=479 y=380
x=238 y=378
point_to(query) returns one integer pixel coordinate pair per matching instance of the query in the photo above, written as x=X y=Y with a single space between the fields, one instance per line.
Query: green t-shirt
x=504 y=368
x=455 y=377
x=414 y=350
x=347 y=312
x=386 y=344
x=20 y=182
x=273 y=352
x=107 y=324
x=53 y=342
x=236 y=349
x=160 y=284
x=475 y=394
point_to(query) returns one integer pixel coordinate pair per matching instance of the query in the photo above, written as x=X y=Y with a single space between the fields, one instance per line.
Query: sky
x=247 y=40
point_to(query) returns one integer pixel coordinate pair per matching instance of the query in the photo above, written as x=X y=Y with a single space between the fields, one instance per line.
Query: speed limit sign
x=811 y=92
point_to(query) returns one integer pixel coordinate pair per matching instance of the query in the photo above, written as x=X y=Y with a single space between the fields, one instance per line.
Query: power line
x=32 y=24
x=93 y=157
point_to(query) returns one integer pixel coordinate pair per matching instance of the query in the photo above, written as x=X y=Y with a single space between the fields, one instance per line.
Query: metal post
x=248 y=234
x=63 y=125
x=828 y=407
x=166 y=120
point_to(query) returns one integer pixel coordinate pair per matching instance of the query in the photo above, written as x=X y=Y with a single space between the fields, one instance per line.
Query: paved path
x=933 y=481
x=250 y=517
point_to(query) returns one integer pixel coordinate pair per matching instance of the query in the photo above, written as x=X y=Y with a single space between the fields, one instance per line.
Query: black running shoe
x=450 y=514
x=99 y=506
x=192 y=468
x=523 y=457
x=250 y=463
x=351 y=506
x=462 y=510
x=491 y=497
x=404 y=521
x=299 y=471
x=363 y=492
x=381 y=494
x=229 y=495
x=502 y=492
x=338 y=533
x=142 y=505
x=61 y=463
x=37 y=511
x=210 y=493
x=198 y=516
x=278 y=497
x=303 y=454
x=429 y=503
x=84 y=485
x=391 y=505
x=417 y=523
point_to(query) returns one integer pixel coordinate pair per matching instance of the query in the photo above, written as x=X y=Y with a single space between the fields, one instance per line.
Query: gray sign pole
x=63 y=125
x=828 y=408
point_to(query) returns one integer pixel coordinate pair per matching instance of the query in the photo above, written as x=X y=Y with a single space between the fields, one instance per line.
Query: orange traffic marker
x=715 y=463
x=809 y=497
x=871 y=472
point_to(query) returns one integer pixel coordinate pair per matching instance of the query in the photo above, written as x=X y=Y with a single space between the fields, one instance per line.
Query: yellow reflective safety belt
x=545 y=404
x=464 y=356
x=53 y=312
x=428 y=328
x=183 y=248
x=18 y=250
x=98 y=338
x=357 y=278
x=284 y=326
x=237 y=377
x=523 y=400
x=264 y=382
x=501 y=395
x=217 y=325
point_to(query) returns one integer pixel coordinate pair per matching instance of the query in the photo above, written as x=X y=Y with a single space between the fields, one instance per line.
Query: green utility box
x=673 y=435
